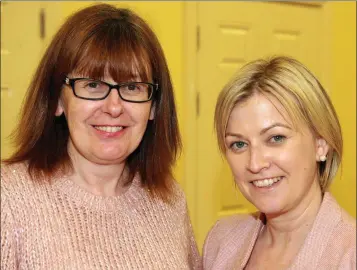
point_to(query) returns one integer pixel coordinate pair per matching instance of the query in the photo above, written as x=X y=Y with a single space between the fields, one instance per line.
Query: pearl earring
x=323 y=158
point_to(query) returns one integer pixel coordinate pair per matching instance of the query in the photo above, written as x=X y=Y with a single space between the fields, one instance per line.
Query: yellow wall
x=343 y=94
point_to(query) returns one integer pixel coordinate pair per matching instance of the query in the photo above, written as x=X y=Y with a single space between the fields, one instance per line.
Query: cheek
x=138 y=112
x=296 y=157
x=78 y=112
x=236 y=165
x=286 y=159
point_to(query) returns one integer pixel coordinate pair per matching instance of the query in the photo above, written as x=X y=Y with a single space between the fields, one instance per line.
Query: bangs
x=114 y=52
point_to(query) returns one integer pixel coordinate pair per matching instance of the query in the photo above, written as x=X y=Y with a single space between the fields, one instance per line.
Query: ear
x=59 y=109
x=152 y=111
x=321 y=149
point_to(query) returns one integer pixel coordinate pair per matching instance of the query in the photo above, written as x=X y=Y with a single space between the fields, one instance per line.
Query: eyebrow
x=261 y=132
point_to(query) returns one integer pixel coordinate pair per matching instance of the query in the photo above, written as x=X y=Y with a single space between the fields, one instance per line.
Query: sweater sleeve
x=195 y=259
x=8 y=243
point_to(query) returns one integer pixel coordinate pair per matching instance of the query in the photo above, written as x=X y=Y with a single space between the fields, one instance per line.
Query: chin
x=109 y=158
x=271 y=212
x=112 y=152
x=107 y=161
x=269 y=208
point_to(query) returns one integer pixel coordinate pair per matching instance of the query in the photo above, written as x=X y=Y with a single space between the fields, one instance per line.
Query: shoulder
x=346 y=230
x=13 y=176
x=229 y=225
x=343 y=237
x=225 y=229
x=348 y=225
x=345 y=222
x=177 y=197
x=17 y=186
x=348 y=221
x=11 y=189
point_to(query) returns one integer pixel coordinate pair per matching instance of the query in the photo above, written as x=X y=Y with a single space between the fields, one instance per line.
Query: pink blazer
x=331 y=243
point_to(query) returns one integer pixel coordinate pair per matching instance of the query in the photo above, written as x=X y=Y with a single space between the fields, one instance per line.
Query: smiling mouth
x=110 y=129
x=266 y=182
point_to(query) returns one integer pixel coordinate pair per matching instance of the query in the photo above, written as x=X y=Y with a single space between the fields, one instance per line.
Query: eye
x=277 y=139
x=236 y=146
x=133 y=87
x=93 y=84
x=90 y=85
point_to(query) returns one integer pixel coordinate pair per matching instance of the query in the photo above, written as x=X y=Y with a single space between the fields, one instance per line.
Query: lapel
x=310 y=253
x=326 y=220
x=244 y=251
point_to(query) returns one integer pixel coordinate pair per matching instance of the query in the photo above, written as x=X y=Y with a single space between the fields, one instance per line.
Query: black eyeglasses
x=90 y=89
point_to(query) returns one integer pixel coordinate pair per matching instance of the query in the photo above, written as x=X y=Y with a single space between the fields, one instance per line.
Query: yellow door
x=231 y=34
x=25 y=28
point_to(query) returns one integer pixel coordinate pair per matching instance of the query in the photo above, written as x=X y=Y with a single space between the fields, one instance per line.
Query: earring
x=322 y=158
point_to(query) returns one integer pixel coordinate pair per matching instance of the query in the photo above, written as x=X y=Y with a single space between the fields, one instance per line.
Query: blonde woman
x=282 y=139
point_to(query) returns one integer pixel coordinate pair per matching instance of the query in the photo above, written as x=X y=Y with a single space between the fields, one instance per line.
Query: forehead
x=122 y=58
x=258 y=112
x=119 y=71
x=106 y=74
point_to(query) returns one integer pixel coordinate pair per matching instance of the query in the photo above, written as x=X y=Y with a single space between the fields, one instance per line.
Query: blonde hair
x=299 y=92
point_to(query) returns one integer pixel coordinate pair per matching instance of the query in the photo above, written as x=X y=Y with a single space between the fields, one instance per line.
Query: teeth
x=109 y=128
x=266 y=182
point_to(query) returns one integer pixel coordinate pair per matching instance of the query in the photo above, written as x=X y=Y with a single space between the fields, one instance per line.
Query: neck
x=98 y=179
x=293 y=225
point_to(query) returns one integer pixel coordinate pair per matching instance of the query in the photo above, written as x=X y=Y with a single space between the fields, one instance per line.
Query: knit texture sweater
x=61 y=226
x=330 y=244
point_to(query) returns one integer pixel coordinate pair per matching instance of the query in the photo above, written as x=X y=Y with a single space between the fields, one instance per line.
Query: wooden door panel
x=237 y=33
x=22 y=45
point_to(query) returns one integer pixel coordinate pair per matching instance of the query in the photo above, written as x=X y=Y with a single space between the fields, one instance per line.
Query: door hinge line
x=197 y=104
x=42 y=24
x=198 y=37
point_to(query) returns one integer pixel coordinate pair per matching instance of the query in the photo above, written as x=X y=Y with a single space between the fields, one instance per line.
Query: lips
x=109 y=129
x=267 y=182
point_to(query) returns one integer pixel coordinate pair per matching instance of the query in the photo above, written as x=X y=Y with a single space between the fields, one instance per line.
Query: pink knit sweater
x=61 y=226
x=330 y=245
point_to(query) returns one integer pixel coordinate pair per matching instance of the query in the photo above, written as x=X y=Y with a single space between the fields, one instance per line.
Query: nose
x=113 y=103
x=258 y=160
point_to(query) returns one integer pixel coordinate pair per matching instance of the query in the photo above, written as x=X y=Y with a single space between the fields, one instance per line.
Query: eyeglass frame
x=71 y=82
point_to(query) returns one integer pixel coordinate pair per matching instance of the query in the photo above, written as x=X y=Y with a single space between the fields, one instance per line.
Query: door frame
x=190 y=91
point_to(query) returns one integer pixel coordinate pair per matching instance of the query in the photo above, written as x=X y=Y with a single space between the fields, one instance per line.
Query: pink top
x=331 y=243
x=61 y=226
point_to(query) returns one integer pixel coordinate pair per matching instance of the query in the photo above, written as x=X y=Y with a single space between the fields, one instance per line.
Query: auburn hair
x=95 y=40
